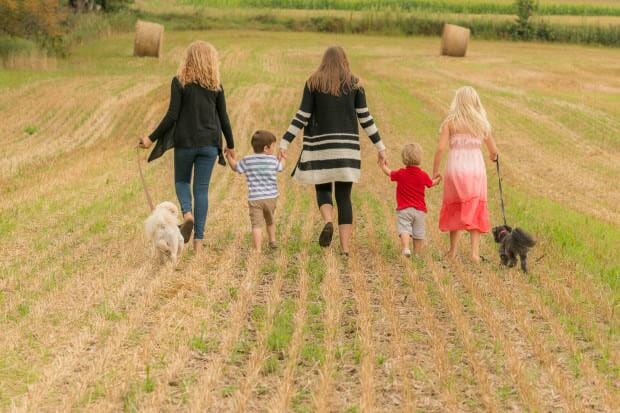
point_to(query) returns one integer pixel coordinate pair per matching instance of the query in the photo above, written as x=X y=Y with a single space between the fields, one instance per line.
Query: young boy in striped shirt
x=260 y=171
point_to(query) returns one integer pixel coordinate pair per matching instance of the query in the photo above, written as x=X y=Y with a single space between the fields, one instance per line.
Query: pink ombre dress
x=464 y=204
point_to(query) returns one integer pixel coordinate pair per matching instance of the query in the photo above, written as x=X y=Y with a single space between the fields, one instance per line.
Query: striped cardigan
x=331 y=146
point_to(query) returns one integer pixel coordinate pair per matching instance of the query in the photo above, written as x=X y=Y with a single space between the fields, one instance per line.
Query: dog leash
x=146 y=191
x=501 y=192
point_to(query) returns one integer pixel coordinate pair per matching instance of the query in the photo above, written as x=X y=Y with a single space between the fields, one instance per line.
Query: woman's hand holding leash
x=145 y=143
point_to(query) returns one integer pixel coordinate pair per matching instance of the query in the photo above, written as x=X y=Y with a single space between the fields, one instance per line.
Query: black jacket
x=196 y=117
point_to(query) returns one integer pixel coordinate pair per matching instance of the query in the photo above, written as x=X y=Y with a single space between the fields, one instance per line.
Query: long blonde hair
x=467 y=113
x=201 y=65
x=333 y=76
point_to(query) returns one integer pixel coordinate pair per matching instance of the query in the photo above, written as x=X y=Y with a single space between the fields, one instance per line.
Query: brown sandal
x=186 y=229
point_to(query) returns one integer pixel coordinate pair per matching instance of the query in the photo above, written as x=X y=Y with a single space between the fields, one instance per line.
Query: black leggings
x=343 y=199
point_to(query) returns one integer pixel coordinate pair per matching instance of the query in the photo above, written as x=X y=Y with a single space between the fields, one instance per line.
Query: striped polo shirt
x=260 y=171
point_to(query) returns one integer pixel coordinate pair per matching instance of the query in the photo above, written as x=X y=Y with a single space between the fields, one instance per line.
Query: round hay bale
x=454 y=40
x=149 y=39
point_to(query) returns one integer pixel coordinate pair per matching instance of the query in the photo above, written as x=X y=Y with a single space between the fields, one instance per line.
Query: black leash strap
x=501 y=192
x=146 y=191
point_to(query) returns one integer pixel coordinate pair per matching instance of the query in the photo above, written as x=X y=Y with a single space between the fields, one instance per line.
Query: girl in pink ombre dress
x=464 y=206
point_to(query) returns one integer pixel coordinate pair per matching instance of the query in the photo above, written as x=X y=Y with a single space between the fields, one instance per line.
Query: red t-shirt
x=410 y=185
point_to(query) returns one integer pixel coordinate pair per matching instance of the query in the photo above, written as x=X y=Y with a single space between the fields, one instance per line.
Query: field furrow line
x=202 y=392
x=561 y=378
x=260 y=352
x=527 y=392
x=388 y=274
x=591 y=375
x=331 y=290
x=285 y=386
x=589 y=320
x=437 y=337
x=467 y=337
x=365 y=332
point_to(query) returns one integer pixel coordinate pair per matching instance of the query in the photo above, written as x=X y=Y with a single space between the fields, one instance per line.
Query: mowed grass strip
x=324 y=396
x=382 y=261
x=284 y=386
x=364 y=322
x=267 y=337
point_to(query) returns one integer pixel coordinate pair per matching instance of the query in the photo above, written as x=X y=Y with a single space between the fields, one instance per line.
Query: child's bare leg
x=418 y=245
x=271 y=232
x=475 y=245
x=454 y=240
x=404 y=240
x=257 y=237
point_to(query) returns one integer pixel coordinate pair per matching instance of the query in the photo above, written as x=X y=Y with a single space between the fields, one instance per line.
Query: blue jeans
x=201 y=160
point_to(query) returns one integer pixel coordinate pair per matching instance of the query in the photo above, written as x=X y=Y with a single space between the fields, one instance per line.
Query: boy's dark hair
x=260 y=139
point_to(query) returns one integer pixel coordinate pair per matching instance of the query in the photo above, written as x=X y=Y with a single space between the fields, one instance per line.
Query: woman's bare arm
x=444 y=137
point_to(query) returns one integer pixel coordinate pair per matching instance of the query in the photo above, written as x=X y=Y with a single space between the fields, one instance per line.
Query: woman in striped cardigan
x=333 y=102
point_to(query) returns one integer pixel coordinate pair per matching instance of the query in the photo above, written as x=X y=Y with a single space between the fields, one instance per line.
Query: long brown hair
x=200 y=65
x=333 y=76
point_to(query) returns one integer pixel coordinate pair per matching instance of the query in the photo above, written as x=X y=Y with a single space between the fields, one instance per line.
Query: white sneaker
x=407 y=252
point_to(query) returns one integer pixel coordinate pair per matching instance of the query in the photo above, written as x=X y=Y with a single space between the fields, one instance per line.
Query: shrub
x=31 y=18
x=525 y=9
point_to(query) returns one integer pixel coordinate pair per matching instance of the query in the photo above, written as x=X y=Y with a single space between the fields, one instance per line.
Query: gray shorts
x=411 y=221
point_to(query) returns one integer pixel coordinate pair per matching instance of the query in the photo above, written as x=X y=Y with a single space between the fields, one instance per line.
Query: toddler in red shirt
x=411 y=182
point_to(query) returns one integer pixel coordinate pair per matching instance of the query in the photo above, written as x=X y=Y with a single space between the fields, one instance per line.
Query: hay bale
x=454 y=40
x=149 y=39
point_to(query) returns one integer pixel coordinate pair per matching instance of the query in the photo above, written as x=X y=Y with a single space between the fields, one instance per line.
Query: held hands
x=436 y=179
x=144 y=143
x=381 y=157
x=281 y=154
x=229 y=153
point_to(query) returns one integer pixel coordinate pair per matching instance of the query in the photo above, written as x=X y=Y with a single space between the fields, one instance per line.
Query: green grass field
x=89 y=324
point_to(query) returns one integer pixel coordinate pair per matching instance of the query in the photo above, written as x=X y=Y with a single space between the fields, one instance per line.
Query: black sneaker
x=326 y=235
x=186 y=229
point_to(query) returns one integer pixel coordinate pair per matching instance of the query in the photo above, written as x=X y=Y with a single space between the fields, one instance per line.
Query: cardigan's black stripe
x=302 y=118
x=296 y=122
x=332 y=145
x=363 y=114
x=288 y=136
x=367 y=124
x=375 y=137
x=331 y=138
x=329 y=164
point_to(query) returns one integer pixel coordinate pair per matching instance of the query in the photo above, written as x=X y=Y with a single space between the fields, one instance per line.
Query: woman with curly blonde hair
x=193 y=125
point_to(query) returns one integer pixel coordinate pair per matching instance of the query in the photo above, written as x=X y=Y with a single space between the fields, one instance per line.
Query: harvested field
x=88 y=324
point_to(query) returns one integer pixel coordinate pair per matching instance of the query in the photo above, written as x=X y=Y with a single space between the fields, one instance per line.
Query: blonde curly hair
x=201 y=65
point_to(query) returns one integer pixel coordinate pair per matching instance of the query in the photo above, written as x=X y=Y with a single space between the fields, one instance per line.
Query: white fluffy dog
x=163 y=232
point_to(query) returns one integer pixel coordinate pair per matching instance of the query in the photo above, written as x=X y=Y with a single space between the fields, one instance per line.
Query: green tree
x=525 y=9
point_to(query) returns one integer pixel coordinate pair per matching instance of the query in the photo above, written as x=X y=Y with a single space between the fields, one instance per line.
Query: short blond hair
x=412 y=154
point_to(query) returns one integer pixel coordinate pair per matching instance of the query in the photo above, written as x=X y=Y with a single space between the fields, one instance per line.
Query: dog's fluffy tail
x=523 y=238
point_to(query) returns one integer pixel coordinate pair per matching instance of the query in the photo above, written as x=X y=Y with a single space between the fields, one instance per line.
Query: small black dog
x=513 y=243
